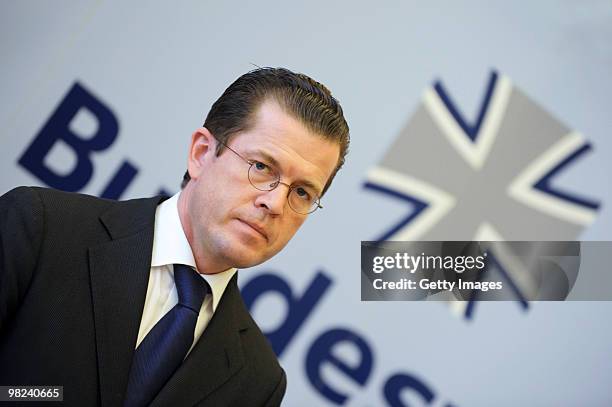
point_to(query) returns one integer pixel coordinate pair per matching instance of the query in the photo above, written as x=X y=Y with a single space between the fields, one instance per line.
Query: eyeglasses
x=302 y=199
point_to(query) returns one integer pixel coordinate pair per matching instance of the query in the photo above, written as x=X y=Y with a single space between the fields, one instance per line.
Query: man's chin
x=245 y=258
x=243 y=253
x=247 y=264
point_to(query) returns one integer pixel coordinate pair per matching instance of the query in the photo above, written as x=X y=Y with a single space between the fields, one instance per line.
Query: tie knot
x=191 y=287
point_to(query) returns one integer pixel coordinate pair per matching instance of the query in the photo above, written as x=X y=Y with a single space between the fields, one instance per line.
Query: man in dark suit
x=136 y=302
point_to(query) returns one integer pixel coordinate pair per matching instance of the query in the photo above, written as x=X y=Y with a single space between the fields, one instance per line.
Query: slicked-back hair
x=298 y=95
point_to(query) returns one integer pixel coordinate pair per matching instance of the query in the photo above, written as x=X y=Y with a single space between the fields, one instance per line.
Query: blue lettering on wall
x=298 y=308
x=123 y=177
x=321 y=352
x=401 y=381
x=57 y=128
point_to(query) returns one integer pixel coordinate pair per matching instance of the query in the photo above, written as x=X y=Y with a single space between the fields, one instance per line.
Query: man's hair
x=300 y=96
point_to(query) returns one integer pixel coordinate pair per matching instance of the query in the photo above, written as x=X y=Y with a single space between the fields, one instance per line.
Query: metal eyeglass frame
x=316 y=203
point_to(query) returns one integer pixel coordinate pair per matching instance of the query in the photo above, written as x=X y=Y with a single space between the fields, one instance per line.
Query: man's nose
x=275 y=200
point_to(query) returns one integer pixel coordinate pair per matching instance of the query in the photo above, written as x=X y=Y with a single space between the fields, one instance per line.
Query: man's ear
x=201 y=150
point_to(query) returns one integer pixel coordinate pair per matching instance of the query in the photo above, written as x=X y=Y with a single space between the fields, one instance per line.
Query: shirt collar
x=170 y=246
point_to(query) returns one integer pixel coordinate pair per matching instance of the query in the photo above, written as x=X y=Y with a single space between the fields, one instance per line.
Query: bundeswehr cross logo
x=486 y=180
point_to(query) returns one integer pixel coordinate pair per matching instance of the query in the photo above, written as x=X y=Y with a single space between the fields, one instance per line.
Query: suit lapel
x=215 y=358
x=119 y=271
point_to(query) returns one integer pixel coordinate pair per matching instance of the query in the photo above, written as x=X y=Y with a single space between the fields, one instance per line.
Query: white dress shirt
x=170 y=246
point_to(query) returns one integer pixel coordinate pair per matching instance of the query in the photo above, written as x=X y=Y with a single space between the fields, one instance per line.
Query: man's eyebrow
x=271 y=160
x=267 y=157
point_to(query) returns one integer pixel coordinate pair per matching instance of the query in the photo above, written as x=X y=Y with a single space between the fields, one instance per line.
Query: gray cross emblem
x=490 y=180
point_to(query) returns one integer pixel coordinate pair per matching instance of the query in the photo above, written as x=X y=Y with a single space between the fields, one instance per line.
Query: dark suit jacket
x=73 y=280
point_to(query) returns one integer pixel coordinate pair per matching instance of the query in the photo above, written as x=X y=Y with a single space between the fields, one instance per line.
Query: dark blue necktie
x=163 y=349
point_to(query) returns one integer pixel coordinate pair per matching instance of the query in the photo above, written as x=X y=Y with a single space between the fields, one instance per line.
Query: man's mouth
x=259 y=229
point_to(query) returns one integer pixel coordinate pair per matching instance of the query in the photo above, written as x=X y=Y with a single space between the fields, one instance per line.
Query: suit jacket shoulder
x=73 y=278
x=73 y=274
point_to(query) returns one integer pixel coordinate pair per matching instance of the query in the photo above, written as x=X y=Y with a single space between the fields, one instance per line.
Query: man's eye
x=259 y=166
x=303 y=194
